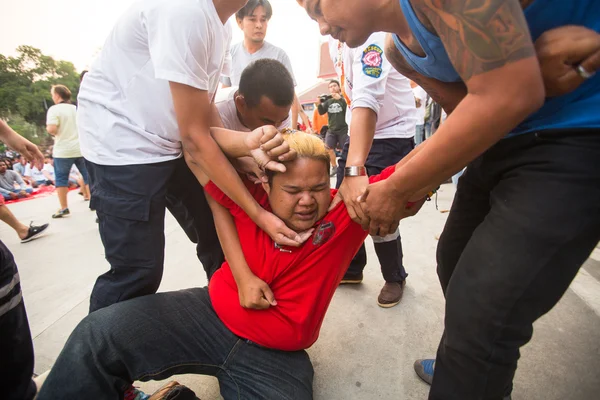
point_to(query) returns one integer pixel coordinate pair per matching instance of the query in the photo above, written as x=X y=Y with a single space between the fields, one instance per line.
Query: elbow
x=524 y=106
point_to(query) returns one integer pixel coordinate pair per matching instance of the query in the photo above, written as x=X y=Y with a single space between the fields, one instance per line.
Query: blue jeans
x=62 y=170
x=17 y=191
x=419 y=134
x=157 y=336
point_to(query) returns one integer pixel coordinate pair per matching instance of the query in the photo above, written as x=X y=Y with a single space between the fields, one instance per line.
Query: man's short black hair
x=267 y=77
x=334 y=81
x=251 y=6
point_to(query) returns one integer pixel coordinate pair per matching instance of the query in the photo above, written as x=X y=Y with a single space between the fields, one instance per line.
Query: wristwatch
x=355 y=171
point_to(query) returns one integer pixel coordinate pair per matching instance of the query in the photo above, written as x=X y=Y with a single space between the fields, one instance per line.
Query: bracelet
x=355 y=171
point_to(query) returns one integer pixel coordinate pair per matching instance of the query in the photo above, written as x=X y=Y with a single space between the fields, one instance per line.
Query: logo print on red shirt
x=324 y=233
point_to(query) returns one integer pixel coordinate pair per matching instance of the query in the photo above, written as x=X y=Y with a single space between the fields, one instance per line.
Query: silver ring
x=584 y=73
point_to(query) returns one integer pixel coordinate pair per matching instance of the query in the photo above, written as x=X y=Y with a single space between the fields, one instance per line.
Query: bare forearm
x=230 y=241
x=5 y=131
x=232 y=143
x=362 y=127
x=204 y=152
x=476 y=125
x=215 y=117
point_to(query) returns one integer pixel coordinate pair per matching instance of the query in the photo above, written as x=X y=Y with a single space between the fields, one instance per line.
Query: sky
x=74 y=30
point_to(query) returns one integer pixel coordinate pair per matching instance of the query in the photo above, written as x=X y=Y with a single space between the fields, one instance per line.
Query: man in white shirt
x=382 y=128
x=265 y=96
x=253 y=19
x=420 y=101
x=61 y=123
x=145 y=103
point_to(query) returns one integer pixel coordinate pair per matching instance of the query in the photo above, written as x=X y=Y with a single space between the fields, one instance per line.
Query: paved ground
x=364 y=352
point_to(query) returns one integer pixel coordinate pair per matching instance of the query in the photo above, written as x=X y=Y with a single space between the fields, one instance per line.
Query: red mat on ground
x=42 y=191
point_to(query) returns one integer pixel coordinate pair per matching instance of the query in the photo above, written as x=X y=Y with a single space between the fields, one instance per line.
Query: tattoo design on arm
x=479 y=35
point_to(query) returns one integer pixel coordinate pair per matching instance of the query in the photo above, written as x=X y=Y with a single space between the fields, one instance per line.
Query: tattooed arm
x=489 y=44
x=446 y=94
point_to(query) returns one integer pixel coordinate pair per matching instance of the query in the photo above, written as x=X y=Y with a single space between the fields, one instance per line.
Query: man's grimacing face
x=301 y=195
x=345 y=20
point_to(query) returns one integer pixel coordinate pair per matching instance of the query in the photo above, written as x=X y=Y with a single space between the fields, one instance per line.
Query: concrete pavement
x=364 y=351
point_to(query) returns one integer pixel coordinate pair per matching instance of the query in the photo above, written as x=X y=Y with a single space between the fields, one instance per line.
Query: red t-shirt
x=303 y=280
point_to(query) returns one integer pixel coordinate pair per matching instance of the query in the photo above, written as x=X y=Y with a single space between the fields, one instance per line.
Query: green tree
x=25 y=82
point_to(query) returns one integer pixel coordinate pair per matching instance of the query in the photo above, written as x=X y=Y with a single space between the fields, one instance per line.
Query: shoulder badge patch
x=324 y=233
x=372 y=60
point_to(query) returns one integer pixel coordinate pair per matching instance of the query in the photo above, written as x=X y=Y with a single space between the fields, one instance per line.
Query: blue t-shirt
x=578 y=109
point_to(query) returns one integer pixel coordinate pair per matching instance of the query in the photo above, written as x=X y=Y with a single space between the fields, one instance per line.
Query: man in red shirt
x=255 y=353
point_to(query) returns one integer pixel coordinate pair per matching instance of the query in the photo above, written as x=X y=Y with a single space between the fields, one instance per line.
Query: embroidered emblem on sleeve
x=372 y=60
x=324 y=233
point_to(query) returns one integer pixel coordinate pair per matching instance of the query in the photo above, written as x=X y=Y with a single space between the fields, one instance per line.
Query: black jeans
x=130 y=201
x=157 y=336
x=525 y=217
x=16 y=347
x=384 y=152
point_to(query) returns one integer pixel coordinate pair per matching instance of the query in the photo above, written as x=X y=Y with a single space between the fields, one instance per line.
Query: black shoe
x=352 y=278
x=34 y=232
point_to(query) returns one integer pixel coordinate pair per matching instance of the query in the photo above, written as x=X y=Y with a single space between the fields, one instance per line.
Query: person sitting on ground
x=48 y=170
x=9 y=180
x=20 y=167
x=262 y=308
x=35 y=175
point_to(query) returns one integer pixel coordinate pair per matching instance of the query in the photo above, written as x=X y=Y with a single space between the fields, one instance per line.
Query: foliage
x=25 y=82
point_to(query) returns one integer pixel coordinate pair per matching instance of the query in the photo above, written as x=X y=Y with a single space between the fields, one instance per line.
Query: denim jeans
x=156 y=336
x=17 y=191
x=62 y=170
x=131 y=201
x=419 y=134
x=16 y=346
x=525 y=217
x=384 y=152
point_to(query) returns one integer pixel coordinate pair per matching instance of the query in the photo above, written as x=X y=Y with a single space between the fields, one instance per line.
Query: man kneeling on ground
x=254 y=353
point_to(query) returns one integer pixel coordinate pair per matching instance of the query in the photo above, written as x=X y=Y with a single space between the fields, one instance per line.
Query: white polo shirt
x=225 y=102
x=241 y=58
x=370 y=81
x=125 y=109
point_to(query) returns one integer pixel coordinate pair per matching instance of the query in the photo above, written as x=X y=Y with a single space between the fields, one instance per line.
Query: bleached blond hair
x=306 y=145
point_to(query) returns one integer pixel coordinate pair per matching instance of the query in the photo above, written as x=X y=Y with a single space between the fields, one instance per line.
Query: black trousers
x=16 y=346
x=525 y=217
x=384 y=152
x=130 y=201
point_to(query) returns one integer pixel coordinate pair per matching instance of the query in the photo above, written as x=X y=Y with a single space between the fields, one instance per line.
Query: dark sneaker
x=391 y=294
x=34 y=232
x=424 y=369
x=61 y=213
x=352 y=278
